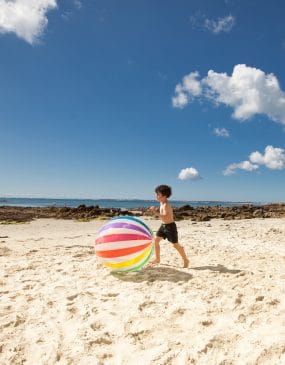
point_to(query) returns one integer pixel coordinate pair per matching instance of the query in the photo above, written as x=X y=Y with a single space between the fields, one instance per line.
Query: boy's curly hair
x=165 y=190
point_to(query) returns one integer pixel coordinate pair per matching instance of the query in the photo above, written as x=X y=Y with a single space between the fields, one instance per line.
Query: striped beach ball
x=124 y=244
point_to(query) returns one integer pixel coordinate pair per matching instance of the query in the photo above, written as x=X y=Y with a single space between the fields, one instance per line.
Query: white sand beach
x=59 y=305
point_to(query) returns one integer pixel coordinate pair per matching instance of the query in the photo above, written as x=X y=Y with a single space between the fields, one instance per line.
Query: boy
x=168 y=227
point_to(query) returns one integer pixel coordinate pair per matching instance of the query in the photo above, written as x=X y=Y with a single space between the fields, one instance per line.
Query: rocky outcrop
x=82 y=212
x=246 y=211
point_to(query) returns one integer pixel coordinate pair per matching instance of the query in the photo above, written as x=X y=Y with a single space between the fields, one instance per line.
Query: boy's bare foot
x=186 y=263
x=154 y=261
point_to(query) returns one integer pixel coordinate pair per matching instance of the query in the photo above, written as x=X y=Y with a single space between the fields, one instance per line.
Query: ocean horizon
x=113 y=203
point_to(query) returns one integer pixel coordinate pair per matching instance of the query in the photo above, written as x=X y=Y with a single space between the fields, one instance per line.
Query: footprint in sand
x=96 y=326
x=271 y=354
x=221 y=342
x=141 y=335
x=29 y=298
x=6 y=325
x=28 y=287
x=31 y=252
x=179 y=312
x=242 y=318
x=79 y=255
x=111 y=295
x=146 y=305
x=19 y=320
x=71 y=309
x=259 y=298
x=207 y=322
x=238 y=300
x=5 y=251
x=4 y=292
x=255 y=308
x=104 y=339
x=71 y=297
x=274 y=302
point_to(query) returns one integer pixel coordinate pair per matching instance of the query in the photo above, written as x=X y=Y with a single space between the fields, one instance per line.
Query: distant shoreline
x=113 y=203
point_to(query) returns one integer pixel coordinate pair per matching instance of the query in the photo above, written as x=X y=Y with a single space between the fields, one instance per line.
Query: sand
x=59 y=305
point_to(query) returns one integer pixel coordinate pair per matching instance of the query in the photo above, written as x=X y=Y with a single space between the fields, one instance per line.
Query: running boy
x=168 y=227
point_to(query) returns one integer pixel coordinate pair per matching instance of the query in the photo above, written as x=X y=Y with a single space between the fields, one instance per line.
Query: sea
x=111 y=203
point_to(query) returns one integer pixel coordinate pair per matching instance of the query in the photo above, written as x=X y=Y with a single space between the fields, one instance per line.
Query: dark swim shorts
x=168 y=231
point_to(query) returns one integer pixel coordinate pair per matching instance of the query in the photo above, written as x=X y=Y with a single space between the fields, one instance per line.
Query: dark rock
x=204 y=218
x=258 y=213
x=126 y=212
x=186 y=207
x=81 y=207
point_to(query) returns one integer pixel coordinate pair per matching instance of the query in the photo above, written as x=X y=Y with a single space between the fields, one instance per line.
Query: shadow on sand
x=154 y=273
x=220 y=268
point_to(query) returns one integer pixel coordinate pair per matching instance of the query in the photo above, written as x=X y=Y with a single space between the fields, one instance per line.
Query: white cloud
x=200 y=21
x=221 y=132
x=249 y=91
x=221 y=25
x=78 y=4
x=273 y=158
x=244 y=165
x=68 y=14
x=189 y=173
x=26 y=18
x=190 y=86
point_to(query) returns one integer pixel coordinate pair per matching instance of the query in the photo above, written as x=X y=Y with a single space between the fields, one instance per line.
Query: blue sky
x=107 y=99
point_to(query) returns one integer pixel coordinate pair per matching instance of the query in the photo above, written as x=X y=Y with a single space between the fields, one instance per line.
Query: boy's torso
x=167 y=212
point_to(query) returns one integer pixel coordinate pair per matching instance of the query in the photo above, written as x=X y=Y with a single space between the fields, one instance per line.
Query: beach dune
x=59 y=305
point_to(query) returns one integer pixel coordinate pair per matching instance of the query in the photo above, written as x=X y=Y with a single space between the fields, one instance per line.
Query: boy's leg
x=182 y=253
x=156 y=260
